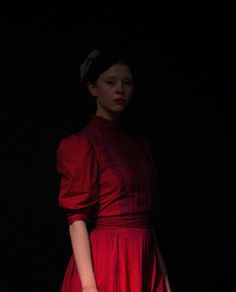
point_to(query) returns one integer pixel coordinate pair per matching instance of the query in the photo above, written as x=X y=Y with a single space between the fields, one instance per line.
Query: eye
x=110 y=82
x=128 y=82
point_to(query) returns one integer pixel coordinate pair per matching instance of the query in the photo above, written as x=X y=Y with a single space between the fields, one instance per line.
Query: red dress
x=107 y=180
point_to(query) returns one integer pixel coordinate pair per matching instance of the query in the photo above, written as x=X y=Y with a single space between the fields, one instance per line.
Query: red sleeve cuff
x=75 y=217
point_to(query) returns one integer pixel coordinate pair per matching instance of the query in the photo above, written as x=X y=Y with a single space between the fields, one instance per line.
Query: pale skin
x=82 y=254
x=113 y=84
x=113 y=91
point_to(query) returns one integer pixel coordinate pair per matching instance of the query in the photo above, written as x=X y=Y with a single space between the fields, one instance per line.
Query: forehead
x=118 y=71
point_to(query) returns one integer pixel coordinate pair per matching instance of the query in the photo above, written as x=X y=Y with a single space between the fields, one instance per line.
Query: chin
x=119 y=109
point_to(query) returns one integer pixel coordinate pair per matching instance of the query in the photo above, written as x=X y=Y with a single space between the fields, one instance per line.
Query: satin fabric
x=108 y=179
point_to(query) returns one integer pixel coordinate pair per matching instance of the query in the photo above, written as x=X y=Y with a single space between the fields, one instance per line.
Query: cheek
x=104 y=97
x=130 y=93
x=106 y=93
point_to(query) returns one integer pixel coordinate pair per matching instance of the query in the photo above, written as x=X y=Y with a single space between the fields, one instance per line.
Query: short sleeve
x=77 y=165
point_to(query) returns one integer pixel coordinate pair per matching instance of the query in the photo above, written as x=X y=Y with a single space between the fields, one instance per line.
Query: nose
x=120 y=87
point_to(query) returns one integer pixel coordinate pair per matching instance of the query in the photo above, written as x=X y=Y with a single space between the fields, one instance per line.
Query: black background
x=187 y=89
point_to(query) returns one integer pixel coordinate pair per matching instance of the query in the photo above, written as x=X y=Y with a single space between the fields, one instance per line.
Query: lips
x=119 y=101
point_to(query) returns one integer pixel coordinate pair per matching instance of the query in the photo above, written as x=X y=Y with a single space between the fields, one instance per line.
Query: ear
x=92 y=89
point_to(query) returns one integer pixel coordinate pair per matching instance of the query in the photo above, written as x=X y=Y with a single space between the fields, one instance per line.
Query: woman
x=107 y=181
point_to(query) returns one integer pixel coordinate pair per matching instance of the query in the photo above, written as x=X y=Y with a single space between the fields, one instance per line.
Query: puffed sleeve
x=78 y=167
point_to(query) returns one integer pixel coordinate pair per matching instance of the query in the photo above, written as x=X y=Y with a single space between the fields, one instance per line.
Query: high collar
x=108 y=124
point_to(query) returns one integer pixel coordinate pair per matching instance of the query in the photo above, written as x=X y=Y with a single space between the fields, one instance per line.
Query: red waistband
x=124 y=221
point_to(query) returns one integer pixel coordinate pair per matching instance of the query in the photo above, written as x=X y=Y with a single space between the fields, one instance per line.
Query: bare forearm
x=82 y=253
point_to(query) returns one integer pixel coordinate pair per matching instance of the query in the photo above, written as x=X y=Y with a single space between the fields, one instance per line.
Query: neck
x=111 y=116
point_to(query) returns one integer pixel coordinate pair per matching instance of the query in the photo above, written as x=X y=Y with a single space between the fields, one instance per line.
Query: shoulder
x=74 y=143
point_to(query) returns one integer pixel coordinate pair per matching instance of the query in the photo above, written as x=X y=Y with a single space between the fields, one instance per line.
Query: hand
x=167 y=285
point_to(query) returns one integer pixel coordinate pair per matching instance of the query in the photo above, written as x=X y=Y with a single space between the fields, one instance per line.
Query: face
x=113 y=90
